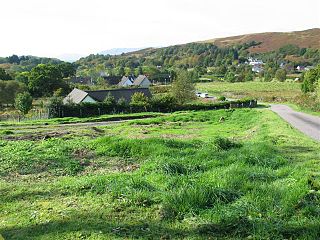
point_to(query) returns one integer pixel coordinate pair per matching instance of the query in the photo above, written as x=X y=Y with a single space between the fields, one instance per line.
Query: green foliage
x=310 y=80
x=54 y=106
x=4 y=75
x=281 y=75
x=9 y=90
x=290 y=50
x=45 y=79
x=183 y=88
x=23 y=102
x=225 y=143
x=221 y=98
x=23 y=77
x=163 y=184
x=230 y=76
x=67 y=69
x=139 y=102
x=164 y=103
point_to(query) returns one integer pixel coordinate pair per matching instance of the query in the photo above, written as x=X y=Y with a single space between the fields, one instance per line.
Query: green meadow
x=263 y=91
x=224 y=174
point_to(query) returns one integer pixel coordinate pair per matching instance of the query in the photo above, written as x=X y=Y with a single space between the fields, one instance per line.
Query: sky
x=52 y=28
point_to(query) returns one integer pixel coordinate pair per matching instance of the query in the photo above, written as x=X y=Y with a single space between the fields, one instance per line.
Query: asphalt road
x=306 y=123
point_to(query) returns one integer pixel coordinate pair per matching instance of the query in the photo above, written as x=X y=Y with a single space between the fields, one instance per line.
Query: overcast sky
x=55 y=27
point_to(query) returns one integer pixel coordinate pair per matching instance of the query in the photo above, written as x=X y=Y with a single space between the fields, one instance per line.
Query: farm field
x=227 y=174
x=263 y=91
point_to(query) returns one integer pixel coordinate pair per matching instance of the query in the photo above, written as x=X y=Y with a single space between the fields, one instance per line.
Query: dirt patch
x=37 y=137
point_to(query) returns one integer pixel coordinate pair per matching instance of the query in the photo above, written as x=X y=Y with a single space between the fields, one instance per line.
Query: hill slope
x=271 y=41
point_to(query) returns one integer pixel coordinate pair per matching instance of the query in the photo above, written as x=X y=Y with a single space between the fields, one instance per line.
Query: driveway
x=306 y=123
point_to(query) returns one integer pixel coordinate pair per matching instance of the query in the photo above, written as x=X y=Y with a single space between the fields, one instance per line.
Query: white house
x=257 y=68
x=254 y=62
x=142 y=81
x=126 y=82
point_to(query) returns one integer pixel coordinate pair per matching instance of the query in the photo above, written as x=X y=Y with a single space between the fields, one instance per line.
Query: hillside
x=272 y=41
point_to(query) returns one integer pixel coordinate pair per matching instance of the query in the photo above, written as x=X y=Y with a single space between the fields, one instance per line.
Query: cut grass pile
x=249 y=175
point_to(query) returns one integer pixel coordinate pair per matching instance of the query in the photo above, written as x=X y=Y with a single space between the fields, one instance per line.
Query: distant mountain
x=70 y=57
x=271 y=41
x=119 y=51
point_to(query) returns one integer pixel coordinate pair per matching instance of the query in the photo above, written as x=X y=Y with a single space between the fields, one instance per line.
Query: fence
x=32 y=115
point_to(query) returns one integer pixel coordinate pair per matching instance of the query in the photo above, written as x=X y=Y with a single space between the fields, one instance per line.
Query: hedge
x=96 y=109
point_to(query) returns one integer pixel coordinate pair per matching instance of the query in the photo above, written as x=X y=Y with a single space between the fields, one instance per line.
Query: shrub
x=221 y=98
x=139 y=102
x=23 y=102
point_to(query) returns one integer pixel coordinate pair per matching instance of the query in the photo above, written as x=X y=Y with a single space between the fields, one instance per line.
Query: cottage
x=81 y=80
x=78 y=96
x=257 y=68
x=142 y=81
x=126 y=81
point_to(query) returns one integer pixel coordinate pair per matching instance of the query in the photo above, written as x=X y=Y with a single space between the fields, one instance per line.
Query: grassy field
x=227 y=174
x=263 y=91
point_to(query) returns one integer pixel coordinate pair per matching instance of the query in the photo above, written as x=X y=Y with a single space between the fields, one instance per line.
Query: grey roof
x=81 y=80
x=124 y=79
x=75 y=96
x=139 y=80
x=100 y=95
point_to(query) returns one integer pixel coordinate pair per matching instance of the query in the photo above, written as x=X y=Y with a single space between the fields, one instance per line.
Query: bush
x=139 y=102
x=23 y=102
x=221 y=98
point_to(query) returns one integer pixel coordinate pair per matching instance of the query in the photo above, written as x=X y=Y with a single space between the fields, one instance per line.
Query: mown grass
x=263 y=91
x=242 y=174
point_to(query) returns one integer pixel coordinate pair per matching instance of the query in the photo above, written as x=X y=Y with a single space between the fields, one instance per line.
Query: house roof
x=81 y=80
x=139 y=80
x=76 y=95
x=124 y=79
x=100 y=95
x=112 y=80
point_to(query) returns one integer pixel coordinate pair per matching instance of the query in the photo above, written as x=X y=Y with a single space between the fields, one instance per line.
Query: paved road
x=306 y=123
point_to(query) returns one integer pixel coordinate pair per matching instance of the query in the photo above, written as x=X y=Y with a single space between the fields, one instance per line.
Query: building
x=82 y=80
x=126 y=81
x=257 y=68
x=77 y=96
x=142 y=81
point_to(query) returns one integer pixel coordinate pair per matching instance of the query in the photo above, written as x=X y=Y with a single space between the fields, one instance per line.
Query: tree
x=230 y=76
x=4 y=75
x=23 y=77
x=121 y=71
x=67 y=69
x=139 y=101
x=23 y=102
x=14 y=59
x=9 y=90
x=44 y=79
x=310 y=80
x=281 y=75
x=139 y=70
x=183 y=88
